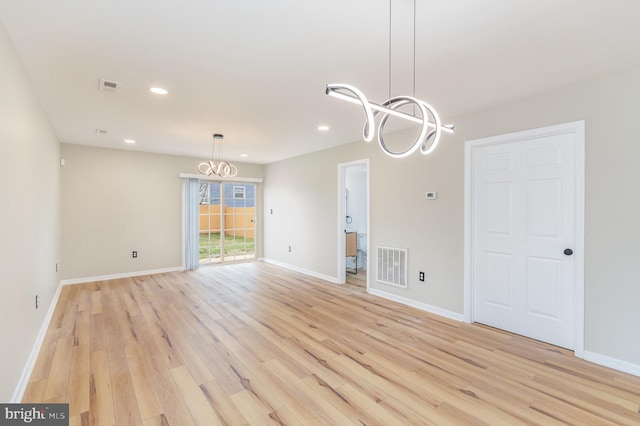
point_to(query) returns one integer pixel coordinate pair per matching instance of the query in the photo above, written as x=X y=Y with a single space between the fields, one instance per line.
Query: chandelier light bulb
x=389 y=107
x=431 y=129
x=223 y=168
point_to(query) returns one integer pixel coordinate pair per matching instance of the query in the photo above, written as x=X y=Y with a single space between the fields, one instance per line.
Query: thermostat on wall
x=431 y=195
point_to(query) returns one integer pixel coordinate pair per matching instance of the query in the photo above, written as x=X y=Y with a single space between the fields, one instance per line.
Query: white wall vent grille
x=392 y=266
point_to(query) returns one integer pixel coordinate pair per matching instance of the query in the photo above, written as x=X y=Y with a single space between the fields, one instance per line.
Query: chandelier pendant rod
x=390 y=9
x=430 y=131
x=414 y=51
x=223 y=169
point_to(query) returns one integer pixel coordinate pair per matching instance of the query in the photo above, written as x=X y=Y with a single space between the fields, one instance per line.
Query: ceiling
x=256 y=70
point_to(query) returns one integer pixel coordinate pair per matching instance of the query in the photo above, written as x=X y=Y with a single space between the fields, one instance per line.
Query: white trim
x=468 y=231
x=21 y=387
x=578 y=304
x=220 y=179
x=123 y=275
x=418 y=305
x=300 y=270
x=578 y=128
x=616 y=364
x=342 y=225
x=183 y=224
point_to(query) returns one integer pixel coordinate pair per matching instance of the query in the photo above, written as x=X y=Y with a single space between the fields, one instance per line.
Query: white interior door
x=523 y=223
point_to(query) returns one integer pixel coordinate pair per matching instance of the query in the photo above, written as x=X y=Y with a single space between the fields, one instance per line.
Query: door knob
x=568 y=252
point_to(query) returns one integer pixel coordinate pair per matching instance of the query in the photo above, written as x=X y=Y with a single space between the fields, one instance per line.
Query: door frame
x=578 y=129
x=342 y=221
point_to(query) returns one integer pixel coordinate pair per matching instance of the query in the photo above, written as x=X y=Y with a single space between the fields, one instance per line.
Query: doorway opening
x=353 y=223
x=227 y=230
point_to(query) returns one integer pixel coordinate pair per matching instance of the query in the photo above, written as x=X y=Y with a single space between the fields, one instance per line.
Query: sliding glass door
x=227 y=222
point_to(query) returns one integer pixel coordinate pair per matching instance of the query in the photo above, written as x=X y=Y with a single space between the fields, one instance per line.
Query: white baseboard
x=605 y=361
x=123 y=275
x=405 y=301
x=308 y=272
x=616 y=364
x=419 y=305
x=18 y=393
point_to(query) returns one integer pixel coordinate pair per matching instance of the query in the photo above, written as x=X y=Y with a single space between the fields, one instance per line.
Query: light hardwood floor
x=256 y=344
x=358 y=280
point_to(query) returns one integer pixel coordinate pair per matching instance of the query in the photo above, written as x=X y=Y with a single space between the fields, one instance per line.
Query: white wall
x=433 y=230
x=29 y=217
x=116 y=201
x=356 y=184
x=301 y=211
x=610 y=108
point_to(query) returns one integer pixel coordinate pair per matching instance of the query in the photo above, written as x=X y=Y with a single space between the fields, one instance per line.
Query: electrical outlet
x=421 y=276
x=134 y=254
x=36 y=301
x=289 y=249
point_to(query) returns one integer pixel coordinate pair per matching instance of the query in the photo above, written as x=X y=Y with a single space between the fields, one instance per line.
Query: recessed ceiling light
x=129 y=141
x=323 y=128
x=159 y=90
x=244 y=155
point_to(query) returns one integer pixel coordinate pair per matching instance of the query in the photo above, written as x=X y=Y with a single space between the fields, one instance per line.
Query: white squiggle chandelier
x=432 y=128
x=223 y=168
x=429 y=135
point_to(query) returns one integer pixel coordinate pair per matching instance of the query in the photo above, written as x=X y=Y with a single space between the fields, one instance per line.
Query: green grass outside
x=233 y=246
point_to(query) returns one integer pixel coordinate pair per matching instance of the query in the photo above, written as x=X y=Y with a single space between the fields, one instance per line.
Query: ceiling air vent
x=108 y=85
